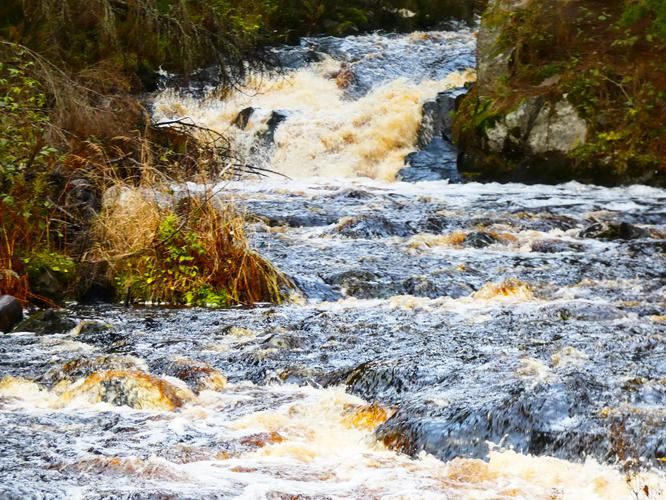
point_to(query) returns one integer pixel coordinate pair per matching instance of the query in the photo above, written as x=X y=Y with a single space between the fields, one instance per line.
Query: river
x=447 y=340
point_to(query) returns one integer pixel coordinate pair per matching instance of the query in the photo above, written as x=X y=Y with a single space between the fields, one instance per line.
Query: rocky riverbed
x=443 y=340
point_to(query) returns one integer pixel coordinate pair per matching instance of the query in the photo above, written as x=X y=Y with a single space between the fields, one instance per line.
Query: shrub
x=636 y=10
x=193 y=252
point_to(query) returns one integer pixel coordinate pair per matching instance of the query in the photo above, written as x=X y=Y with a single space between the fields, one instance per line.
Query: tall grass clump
x=182 y=250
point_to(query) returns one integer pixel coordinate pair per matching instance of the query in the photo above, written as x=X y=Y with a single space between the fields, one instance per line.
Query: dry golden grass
x=191 y=250
x=128 y=222
x=159 y=247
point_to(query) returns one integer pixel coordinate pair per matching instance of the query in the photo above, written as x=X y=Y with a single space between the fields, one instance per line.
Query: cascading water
x=456 y=341
x=356 y=111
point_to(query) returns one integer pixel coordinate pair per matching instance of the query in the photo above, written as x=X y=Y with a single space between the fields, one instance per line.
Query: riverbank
x=74 y=128
x=567 y=91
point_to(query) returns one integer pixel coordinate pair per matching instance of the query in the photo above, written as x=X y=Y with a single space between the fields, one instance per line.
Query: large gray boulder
x=538 y=127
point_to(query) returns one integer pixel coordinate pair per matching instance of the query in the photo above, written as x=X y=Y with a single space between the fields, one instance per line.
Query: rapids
x=446 y=340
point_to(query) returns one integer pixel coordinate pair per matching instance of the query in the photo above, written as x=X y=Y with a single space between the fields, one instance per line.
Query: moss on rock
x=567 y=90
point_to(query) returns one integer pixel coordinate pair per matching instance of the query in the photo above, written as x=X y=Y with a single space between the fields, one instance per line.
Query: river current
x=445 y=340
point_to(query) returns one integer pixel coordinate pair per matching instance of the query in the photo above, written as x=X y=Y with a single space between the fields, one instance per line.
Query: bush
x=25 y=160
x=636 y=10
x=192 y=252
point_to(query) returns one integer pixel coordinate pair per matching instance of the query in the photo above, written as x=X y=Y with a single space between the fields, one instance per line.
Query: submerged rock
x=437 y=224
x=11 y=313
x=315 y=288
x=300 y=220
x=381 y=379
x=135 y=389
x=197 y=375
x=585 y=311
x=358 y=283
x=92 y=329
x=47 y=322
x=480 y=239
x=561 y=417
x=78 y=368
x=422 y=286
x=555 y=246
x=370 y=227
x=614 y=231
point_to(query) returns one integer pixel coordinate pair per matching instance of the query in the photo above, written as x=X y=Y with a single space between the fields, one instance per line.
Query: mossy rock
x=47 y=322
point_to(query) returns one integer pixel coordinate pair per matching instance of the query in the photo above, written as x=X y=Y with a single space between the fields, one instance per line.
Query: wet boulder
x=270 y=119
x=138 y=390
x=296 y=57
x=435 y=162
x=273 y=122
x=370 y=227
x=243 y=118
x=99 y=333
x=300 y=220
x=647 y=247
x=555 y=246
x=555 y=419
x=480 y=239
x=614 y=231
x=421 y=286
x=345 y=78
x=352 y=194
x=384 y=380
x=358 y=283
x=436 y=117
x=281 y=341
x=546 y=222
x=315 y=288
x=47 y=322
x=585 y=311
x=437 y=157
x=11 y=313
x=197 y=375
x=437 y=224
x=84 y=367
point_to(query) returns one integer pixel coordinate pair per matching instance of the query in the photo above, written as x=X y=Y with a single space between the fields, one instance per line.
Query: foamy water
x=445 y=341
x=319 y=444
x=327 y=133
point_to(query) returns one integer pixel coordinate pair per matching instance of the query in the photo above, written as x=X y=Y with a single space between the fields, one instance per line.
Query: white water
x=327 y=133
x=320 y=443
x=288 y=440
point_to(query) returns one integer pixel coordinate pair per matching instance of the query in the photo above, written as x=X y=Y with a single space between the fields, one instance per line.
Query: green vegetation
x=72 y=125
x=293 y=18
x=193 y=252
x=607 y=60
x=639 y=10
x=26 y=158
